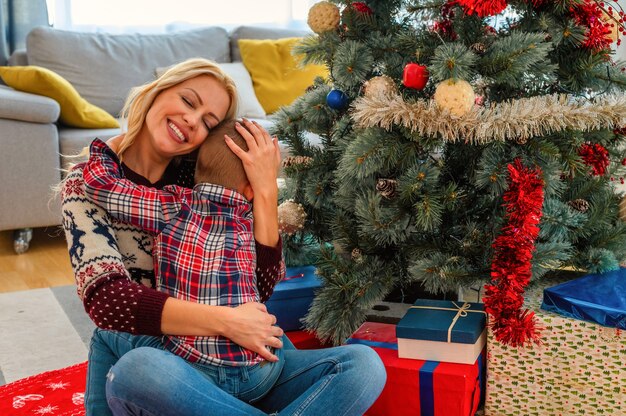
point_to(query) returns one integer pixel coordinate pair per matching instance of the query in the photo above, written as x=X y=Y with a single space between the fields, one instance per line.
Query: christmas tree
x=453 y=144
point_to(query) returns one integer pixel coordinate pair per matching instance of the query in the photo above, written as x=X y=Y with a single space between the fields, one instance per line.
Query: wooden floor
x=45 y=264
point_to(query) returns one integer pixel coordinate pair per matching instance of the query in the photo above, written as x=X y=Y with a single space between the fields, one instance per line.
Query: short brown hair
x=217 y=163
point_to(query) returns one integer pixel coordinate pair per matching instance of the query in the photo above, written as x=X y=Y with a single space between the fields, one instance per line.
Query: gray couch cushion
x=104 y=67
x=73 y=141
x=18 y=105
x=254 y=32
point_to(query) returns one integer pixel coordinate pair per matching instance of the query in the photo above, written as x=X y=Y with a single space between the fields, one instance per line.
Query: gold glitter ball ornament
x=380 y=86
x=456 y=96
x=323 y=16
x=291 y=217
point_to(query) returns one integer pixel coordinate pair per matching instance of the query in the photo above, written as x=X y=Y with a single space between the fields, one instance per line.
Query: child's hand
x=252 y=327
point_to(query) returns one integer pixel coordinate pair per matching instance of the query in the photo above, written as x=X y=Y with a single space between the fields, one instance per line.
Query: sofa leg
x=21 y=240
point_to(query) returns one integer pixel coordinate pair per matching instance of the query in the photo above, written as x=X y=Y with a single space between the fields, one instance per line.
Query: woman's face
x=181 y=116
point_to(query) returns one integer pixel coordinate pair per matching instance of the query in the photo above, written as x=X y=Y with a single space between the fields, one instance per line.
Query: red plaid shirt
x=204 y=247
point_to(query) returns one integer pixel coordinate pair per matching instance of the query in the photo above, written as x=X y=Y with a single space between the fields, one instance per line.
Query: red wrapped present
x=304 y=340
x=418 y=387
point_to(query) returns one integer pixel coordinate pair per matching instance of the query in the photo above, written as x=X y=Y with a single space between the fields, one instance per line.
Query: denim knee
x=367 y=366
x=136 y=369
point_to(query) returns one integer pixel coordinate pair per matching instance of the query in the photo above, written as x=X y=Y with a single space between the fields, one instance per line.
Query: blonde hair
x=140 y=98
x=218 y=164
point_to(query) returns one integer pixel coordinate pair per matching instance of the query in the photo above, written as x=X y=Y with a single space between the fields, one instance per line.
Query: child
x=204 y=248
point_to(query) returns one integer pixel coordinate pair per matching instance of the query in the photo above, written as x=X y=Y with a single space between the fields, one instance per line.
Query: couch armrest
x=22 y=106
x=18 y=58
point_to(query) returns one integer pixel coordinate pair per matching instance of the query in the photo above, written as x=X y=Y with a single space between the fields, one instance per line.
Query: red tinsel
x=513 y=250
x=596 y=156
x=483 y=8
x=590 y=15
x=362 y=7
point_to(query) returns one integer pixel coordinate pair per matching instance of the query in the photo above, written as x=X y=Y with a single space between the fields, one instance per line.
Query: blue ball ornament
x=337 y=100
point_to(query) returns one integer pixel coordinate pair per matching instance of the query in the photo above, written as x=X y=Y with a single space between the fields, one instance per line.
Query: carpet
x=42 y=330
x=57 y=392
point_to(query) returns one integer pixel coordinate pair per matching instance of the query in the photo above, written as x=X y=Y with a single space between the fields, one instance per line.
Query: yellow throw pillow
x=276 y=74
x=75 y=111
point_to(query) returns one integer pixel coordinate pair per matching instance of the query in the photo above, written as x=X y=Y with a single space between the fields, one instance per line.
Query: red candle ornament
x=415 y=76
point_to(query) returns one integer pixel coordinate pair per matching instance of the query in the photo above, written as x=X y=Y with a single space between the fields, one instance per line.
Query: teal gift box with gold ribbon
x=440 y=330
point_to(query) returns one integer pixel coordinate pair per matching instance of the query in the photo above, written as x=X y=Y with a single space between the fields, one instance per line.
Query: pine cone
x=297 y=161
x=356 y=255
x=520 y=140
x=479 y=48
x=580 y=205
x=387 y=187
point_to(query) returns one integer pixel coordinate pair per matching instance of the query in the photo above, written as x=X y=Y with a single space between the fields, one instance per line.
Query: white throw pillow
x=249 y=105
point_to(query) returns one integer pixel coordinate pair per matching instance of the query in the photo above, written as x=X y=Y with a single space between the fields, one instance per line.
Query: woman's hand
x=252 y=327
x=262 y=160
x=261 y=163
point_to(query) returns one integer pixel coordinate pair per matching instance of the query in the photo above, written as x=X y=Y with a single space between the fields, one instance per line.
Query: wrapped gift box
x=598 y=298
x=292 y=297
x=579 y=369
x=418 y=387
x=440 y=330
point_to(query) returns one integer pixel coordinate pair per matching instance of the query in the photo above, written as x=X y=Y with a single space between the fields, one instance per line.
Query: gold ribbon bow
x=461 y=312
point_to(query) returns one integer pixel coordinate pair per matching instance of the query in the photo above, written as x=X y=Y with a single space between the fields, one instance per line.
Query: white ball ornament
x=456 y=96
x=323 y=16
x=291 y=217
x=381 y=85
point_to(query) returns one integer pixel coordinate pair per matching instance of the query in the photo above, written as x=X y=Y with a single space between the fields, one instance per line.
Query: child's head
x=218 y=164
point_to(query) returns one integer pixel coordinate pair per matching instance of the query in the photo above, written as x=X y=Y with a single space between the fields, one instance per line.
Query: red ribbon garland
x=511 y=267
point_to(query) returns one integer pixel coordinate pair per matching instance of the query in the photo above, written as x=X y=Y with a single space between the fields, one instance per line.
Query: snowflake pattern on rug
x=57 y=393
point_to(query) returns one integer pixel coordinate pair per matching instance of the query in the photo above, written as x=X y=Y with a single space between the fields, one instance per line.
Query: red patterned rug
x=57 y=392
x=60 y=392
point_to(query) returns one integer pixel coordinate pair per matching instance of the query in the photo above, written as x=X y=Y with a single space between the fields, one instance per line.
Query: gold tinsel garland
x=516 y=120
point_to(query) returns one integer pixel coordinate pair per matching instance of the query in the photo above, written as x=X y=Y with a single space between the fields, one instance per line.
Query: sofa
x=35 y=146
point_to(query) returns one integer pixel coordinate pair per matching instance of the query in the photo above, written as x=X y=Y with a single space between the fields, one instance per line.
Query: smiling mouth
x=179 y=134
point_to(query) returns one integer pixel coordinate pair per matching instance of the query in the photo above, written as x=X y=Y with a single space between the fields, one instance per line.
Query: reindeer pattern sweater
x=112 y=260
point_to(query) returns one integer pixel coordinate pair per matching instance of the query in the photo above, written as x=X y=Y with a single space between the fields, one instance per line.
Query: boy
x=204 y=248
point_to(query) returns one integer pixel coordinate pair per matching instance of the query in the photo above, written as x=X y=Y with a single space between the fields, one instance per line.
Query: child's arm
x=145 y=207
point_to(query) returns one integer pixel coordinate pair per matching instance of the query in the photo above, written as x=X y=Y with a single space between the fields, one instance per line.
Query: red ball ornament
x=415 y=76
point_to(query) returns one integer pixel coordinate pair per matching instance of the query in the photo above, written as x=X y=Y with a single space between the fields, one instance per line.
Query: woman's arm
x=103 y=283
x=114 y=301
x=261 y=163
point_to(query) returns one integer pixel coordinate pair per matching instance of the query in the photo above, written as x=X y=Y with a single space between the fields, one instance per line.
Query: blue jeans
x=107 y=347
x=338 y=381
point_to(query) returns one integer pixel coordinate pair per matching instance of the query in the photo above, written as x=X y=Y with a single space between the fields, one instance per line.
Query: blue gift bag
x=598 y=298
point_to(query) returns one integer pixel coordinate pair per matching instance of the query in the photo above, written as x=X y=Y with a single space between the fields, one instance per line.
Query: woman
x=167 y=120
